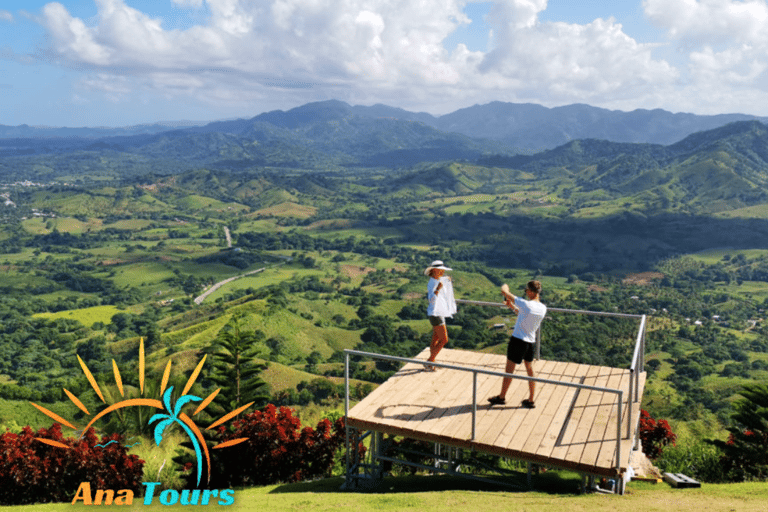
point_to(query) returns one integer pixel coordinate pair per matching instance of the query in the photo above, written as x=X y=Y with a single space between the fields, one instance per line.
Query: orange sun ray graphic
x=183 y=419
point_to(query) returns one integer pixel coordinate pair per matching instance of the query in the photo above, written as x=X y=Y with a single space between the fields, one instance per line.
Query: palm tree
x=172 y=417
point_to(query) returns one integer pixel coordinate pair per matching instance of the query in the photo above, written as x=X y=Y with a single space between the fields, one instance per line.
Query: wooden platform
x=569 y=428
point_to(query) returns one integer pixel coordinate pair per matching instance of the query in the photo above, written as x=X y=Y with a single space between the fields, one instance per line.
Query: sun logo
x=173 y=411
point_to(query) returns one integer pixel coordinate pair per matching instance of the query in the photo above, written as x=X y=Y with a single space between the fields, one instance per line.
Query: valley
x=321 y=250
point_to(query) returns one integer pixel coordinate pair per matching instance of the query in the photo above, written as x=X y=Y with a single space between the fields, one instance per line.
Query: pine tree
x=234 y=369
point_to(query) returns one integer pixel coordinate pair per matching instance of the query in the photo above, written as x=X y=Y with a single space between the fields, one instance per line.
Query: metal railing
x=636 y=367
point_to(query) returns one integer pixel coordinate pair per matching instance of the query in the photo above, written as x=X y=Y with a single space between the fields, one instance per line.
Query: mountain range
x=522 y=127
x=719 y=170
x=715 y=169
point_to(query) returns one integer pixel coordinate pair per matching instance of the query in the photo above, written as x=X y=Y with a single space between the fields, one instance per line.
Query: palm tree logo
x=174 y=410
x=164 y=420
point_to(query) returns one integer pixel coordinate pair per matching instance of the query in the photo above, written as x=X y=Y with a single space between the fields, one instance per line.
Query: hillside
x=330 y=149
x=721 y=169
x=658 y=200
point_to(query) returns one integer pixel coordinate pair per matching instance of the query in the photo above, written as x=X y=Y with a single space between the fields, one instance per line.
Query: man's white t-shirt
x=528 y=319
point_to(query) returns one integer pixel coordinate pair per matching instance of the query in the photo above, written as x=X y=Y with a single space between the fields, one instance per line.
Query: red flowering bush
x=278 y=449
x=654 y=435
x=33 y=472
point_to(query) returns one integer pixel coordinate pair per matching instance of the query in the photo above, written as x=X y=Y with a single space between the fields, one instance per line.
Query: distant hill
x=522 y=126
x=50 y=132
x=323 y=136
x=534 y=128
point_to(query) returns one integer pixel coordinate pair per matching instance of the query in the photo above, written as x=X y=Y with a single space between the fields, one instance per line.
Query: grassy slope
x=442 y=493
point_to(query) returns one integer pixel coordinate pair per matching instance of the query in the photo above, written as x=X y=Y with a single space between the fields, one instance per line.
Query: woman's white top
x=444 y=304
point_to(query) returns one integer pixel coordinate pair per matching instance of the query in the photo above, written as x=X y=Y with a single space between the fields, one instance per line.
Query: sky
x=126 y=62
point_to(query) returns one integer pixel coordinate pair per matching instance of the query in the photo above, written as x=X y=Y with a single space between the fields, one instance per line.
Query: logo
x=173 y=414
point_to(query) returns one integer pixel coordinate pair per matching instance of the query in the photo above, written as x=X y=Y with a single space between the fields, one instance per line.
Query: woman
x=441 y=305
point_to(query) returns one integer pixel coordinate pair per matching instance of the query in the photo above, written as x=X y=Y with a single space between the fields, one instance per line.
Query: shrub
x=745 y=453
x=33 y=472
x=277 y=450
x=654 y=435
x=699 y=460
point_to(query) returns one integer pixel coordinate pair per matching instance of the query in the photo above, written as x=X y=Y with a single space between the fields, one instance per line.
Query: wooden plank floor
x=569 y=428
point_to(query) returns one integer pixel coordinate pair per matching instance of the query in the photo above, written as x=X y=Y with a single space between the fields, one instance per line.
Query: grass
x=142 y=273
x=756 y=290
x=86 y=316
x=288 y=209
x=713 y=256
x=281 y=377
x=750 y=212
x=439 y=493
x=195 y=202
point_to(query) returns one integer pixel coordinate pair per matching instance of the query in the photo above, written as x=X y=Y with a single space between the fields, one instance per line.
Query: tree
x=745 y=453
x=234 y=369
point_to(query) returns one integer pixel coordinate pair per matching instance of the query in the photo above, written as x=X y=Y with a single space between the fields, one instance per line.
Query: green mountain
x=724 y=168
x=534 y=127
x=333 y=135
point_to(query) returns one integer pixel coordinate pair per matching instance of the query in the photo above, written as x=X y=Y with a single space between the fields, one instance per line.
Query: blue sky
x=127 y=62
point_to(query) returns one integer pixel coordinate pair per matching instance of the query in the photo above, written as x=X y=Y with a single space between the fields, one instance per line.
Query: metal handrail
x=477 y=371
x=556 y=310
x=637 y=366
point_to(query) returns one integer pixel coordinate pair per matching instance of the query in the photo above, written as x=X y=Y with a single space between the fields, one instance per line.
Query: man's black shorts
x=519 y=350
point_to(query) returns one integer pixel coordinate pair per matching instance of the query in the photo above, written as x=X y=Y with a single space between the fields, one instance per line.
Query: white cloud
x=573 y=61
x=189 y=3
x=5 y=16
x=710 y=21
x=392 y=51
x=726 y=46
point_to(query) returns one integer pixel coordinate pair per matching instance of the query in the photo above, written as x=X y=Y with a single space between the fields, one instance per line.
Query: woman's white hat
x=435 y=264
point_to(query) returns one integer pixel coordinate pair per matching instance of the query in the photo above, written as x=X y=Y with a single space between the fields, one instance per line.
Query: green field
x=87 y=316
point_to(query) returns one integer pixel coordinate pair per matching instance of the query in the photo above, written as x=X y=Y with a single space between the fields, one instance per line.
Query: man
x=530 y=314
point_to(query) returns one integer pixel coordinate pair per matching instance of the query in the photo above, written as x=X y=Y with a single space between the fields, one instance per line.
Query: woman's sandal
x=497 y=400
